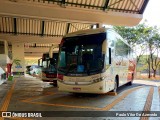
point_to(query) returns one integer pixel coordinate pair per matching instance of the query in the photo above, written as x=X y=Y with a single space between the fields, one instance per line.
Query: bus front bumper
x=98 y=88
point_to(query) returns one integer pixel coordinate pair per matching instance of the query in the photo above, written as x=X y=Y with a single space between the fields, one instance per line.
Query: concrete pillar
x=6 y=47
x=18 y=54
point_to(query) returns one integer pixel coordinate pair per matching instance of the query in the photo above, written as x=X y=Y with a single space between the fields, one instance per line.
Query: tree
x=144 y=39
x=135 y=36
x=154 y=45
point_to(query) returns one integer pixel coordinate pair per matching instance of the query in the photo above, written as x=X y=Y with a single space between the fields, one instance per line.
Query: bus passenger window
x=121 y=48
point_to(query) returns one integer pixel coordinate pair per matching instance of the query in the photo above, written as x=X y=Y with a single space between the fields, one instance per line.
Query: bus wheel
x=131 y=82
x=115 y=86
x=55 y=83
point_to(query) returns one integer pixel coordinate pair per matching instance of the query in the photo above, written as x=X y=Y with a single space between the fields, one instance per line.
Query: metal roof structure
x=37 y=23
x=28 y=26
x=128 y=6
x=34 y=26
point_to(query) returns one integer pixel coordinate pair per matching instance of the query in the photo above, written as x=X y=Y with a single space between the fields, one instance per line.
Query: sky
x=152 y=13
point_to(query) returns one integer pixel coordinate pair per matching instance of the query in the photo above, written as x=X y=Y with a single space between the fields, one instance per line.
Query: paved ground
x=31 y=94
x=2 y=81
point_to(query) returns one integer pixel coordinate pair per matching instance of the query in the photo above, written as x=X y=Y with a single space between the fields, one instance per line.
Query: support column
x=18 y=61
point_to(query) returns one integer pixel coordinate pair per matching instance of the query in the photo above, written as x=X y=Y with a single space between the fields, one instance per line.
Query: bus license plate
x=77 y=89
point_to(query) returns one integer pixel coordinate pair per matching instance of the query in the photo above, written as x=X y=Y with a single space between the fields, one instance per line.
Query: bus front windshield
x=50 y=64
x=82 y=54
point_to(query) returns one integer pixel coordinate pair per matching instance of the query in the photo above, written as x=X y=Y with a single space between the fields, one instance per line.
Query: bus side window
x=122 y=49
x=111 y=39
x=63 y=58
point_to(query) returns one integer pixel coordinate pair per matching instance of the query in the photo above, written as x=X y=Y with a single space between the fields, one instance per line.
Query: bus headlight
x=98 y=79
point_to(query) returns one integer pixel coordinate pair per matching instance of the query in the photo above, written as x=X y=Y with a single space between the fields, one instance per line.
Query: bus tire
x=131 y=82
x=115 y=86
x=55 y=85
x=116 y=83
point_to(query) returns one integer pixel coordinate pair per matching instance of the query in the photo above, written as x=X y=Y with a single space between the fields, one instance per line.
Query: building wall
x=18 y=54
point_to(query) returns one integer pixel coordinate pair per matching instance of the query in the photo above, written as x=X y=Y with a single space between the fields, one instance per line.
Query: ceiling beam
x=69 y=14
x=38 y=50
x=105 y=5
x=42 y=28
x=15 y=25
x=67 y=29
x=30 y=39
x=143 y=6
x=32 y=55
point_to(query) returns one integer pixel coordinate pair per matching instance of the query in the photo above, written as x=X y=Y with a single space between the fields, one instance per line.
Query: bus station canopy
x=55 y=18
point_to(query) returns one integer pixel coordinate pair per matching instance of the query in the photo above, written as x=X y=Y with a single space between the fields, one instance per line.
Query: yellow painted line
x=87 y=107
x=148 y=103
x=7 y=101
x=111 y=93
x=37 y=97
x=63 y=105
x=119 y=99
x=8 y=98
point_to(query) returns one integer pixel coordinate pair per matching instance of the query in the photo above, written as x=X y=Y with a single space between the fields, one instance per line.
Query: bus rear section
x=49 y=68
x=89 y=62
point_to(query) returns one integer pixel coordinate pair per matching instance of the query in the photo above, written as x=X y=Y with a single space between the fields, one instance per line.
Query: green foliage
x=134 y=35
x=145 y=39
x=142 y=64
x=128 y=33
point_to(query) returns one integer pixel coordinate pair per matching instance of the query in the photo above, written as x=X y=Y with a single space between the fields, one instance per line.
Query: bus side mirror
x=38 y=62
x=109 y=55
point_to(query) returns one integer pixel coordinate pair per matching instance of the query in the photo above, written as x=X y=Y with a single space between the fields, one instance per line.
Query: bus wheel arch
x=131 y=82
x=116 y=83
x=117 y=80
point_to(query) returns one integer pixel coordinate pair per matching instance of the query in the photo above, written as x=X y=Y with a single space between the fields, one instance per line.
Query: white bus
x=94 y=61
x=48 y=63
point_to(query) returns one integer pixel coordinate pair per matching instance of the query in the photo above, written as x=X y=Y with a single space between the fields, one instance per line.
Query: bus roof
x=93 y=31
x=86 y=32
